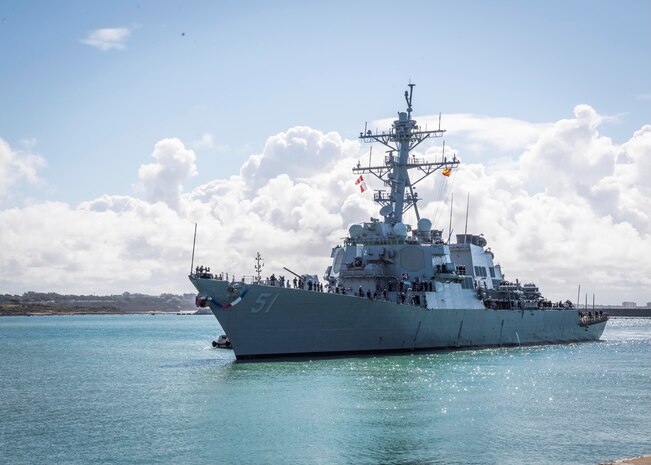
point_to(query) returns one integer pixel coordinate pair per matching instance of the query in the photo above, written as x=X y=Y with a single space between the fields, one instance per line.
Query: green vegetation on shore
x=51 y=303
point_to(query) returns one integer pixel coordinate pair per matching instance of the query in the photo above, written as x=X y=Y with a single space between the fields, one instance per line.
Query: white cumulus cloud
x=163 y=180
x=298 y=152
x=108 y=38
x=570 y=207
x=18 y=166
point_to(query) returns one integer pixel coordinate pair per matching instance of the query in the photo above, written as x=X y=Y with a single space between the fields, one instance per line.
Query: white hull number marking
x=264 y=302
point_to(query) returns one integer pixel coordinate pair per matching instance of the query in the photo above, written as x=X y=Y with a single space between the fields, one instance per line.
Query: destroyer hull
x=279 y=322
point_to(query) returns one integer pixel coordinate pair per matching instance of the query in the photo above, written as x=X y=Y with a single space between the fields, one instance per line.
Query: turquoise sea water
x=150 y=390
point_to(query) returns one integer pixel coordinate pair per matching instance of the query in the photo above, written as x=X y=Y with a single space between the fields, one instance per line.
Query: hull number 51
x=264 y=302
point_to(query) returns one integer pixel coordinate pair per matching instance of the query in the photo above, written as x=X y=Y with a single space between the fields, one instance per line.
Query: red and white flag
x=361 y=183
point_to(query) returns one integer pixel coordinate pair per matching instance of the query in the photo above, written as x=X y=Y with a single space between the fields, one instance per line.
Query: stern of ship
x=593 y=324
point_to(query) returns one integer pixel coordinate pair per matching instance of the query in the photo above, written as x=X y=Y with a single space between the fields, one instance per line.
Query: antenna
x=258 y=266
x=408 y=96
x=465 y=232
x=450 y=227
x=370 y=152
x=403 y=137
x=194 y=241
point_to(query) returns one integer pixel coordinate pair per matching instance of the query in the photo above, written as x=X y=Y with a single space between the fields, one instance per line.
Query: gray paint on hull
x=274 y=321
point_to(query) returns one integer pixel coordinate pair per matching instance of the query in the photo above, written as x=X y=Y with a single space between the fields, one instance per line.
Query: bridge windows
x=480 y=271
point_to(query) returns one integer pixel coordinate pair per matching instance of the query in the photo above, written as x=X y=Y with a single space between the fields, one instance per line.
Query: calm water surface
x=150 y=389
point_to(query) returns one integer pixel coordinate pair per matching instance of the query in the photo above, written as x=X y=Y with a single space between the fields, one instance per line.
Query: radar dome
x=424 y=225
x=400 y=230
x=355 y=231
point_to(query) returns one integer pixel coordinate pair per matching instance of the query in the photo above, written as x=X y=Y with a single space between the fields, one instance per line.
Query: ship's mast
x=259 y=264
x=404 y=136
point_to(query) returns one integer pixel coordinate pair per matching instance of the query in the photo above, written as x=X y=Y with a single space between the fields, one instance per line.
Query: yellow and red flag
x=447 y=171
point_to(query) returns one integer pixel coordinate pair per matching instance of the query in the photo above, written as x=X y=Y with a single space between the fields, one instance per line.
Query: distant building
x=648 y=305
x=629 y=304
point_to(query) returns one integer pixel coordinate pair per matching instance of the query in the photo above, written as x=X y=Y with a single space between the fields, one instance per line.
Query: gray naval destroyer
x=392 y=287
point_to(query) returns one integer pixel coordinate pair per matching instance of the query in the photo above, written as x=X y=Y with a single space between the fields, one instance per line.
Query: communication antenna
x=403 y=137
x=450 y=227
x=258 y=266
x=465 y=232
x=408 y=99
x=194 y=241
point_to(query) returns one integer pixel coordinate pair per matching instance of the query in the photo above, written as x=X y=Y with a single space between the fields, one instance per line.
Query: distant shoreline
x=30 y=314
x=57 y=310
x=54 y=310
x=50 y=303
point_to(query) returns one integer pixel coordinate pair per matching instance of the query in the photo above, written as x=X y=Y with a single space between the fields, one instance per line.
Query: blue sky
x=136 y=119
x=242 y=71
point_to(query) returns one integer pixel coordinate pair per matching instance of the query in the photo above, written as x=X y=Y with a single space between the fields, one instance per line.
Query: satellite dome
x=400 y=230
x=424 y=225
x=355 y=231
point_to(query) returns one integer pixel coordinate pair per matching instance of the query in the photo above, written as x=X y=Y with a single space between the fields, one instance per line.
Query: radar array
x=403 y=137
